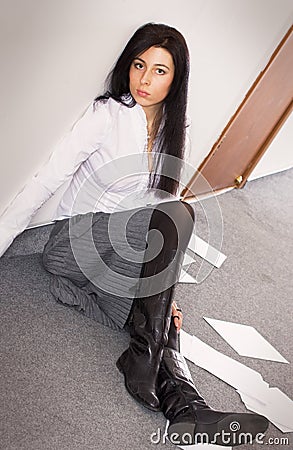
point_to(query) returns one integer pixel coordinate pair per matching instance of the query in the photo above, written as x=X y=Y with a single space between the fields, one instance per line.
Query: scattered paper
x=206 y=251
x=256 y=394
x=246 y=340
x=275 y=405
x=186 y=278
x=187 y=260
x=227 y=369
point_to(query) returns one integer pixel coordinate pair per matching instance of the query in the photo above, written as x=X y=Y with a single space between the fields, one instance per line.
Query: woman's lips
x=142 y=93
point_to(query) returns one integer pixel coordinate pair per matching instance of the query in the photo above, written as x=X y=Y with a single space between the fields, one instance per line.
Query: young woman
x=116 y=250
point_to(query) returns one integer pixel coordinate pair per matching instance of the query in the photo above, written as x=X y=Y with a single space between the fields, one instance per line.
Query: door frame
x=196 y=186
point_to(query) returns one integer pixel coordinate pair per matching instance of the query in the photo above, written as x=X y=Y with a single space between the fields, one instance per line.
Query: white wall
x=279 y=155
x=55 y=56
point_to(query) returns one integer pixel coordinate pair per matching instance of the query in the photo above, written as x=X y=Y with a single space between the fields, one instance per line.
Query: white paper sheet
x=260 y=397
x=275 y=405
x=206 y=251
x=187 y=260
x=227 y=369
x=246 y=340
x=186 y=278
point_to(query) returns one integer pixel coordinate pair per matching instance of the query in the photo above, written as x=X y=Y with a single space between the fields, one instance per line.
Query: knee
x=182 y=213
x=173 y=219
x=189 y=209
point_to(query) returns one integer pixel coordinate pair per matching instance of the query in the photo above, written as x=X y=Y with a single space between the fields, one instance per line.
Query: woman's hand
x=178 y=316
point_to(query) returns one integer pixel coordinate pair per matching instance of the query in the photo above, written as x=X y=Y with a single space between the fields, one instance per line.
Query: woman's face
x=150 y=77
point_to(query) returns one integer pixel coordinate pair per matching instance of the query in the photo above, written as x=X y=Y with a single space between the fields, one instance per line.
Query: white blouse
x=105 y=159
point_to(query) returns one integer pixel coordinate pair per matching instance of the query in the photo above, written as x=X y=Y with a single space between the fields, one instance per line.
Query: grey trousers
x=95 y=261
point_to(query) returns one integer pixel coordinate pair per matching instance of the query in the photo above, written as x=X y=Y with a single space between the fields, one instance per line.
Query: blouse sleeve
x=76 y=146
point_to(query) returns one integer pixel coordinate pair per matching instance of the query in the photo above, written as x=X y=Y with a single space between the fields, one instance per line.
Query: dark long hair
x=171 y=138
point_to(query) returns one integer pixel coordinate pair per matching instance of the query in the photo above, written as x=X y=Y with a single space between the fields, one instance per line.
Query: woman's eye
x=138 y=65
x=161 y=71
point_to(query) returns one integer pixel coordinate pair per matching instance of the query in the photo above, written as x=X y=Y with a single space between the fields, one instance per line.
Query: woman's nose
x=146 y=78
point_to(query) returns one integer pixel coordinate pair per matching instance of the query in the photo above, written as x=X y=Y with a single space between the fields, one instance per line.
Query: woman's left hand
x=178 y=316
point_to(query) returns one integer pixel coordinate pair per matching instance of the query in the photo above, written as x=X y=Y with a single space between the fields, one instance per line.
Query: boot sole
x=137 y=398
x=219 y=433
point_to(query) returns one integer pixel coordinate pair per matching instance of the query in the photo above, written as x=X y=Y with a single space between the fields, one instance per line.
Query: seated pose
x=116 y=249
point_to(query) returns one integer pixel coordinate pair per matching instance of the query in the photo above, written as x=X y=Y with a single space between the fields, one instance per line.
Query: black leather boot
x=149 y=329
x=191 y=420
x=141 y=361
x=151 y=313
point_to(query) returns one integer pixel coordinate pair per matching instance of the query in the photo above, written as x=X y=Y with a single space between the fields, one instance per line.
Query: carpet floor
x=59 y=386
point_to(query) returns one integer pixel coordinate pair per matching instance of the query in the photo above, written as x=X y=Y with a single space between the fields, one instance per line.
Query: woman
x=116 y=250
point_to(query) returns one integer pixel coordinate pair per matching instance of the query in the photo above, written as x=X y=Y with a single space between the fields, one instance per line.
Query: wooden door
x=249 y=132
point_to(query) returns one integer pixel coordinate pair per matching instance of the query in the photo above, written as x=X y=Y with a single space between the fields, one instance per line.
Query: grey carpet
x=59 y=386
